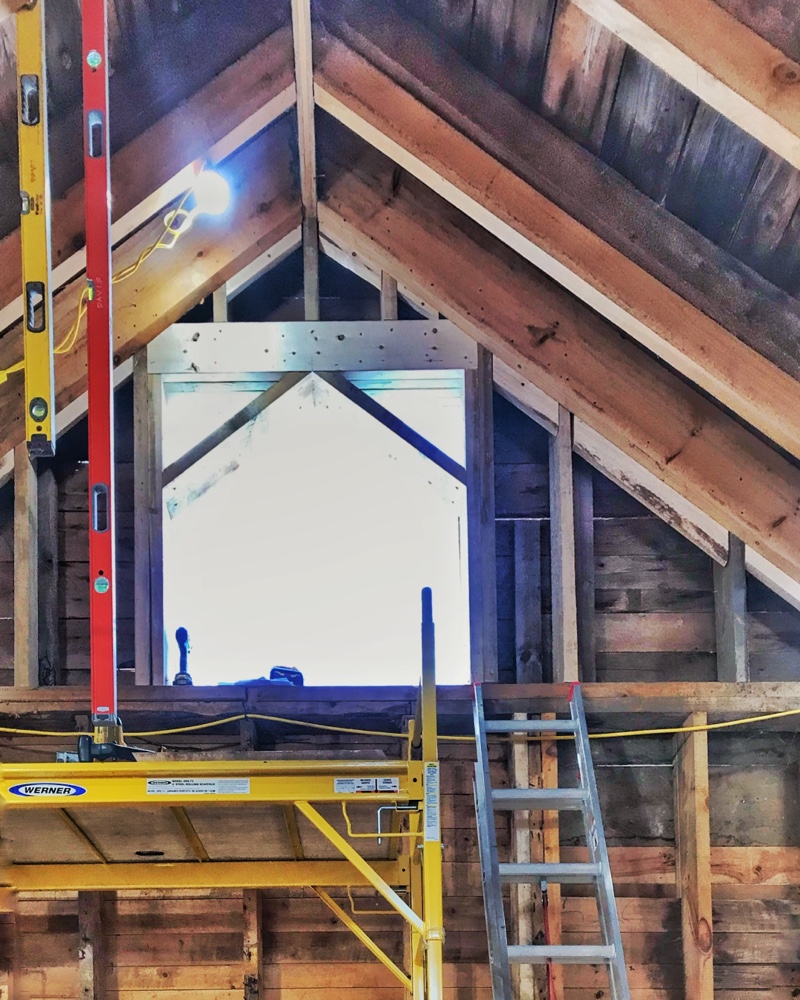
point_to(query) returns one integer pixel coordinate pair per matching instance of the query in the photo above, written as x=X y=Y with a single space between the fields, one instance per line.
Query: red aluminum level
x=102 y=599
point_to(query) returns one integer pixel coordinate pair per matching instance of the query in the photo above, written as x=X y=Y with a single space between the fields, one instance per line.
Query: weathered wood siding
x=654 y=590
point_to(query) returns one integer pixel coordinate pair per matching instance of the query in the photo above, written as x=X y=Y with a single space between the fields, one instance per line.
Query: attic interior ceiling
x=555 y=100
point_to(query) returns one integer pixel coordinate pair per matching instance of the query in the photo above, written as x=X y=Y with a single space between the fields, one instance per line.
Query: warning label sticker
x=198 y=786
x=356 y=786
x=350 y=786
x=432 y=823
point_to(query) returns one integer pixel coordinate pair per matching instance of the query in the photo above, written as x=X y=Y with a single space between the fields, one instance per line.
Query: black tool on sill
x=183 y=677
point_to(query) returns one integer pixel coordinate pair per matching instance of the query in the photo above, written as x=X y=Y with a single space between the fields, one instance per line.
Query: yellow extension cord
x=708 y=727
x=68 y=342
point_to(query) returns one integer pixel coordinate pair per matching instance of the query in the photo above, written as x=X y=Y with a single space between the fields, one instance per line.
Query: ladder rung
x=575 y=872
x=538 y=798
x=561 y=954
x=529 y=726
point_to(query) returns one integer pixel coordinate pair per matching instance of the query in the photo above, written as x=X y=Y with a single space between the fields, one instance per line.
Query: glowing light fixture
x=212 y=193
x=212 y=196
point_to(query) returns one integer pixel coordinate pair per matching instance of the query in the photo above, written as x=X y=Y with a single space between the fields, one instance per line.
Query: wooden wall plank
x=528 y=601
x=726 y=64
x=730 y=612
x=765 y=218
x=584 y=60
x=50 y=660
x=715 y=172
x=647 y=127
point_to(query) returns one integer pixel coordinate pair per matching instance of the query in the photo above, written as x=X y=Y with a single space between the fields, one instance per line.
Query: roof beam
x=714 y=55
x=571 y=353
x=264 y=209
x=210 y=126
x=248 y=349
x=373 y=106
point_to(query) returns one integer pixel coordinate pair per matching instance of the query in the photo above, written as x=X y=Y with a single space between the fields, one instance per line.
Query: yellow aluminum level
x=244 y=824
x=34 y=177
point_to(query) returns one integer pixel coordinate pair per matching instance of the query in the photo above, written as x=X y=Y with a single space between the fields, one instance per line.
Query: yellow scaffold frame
x=414 y=865
x=34 y=177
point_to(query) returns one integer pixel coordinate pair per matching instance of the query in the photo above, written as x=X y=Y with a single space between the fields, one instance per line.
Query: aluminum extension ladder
x=595 y=872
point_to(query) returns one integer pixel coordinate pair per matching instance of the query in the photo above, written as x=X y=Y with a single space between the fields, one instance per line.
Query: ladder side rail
x=490 y=869
x=598 y=851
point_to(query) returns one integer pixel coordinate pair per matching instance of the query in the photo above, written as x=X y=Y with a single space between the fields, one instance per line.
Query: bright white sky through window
x=312 y=553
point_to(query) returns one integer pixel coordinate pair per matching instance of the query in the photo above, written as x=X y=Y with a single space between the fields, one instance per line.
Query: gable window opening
x=303 y=540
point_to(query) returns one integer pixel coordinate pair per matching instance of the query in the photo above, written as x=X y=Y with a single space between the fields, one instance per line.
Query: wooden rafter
x=572 y=354
x=371 y=104
x=724 y=62
x=151 y=171
x=265 y=208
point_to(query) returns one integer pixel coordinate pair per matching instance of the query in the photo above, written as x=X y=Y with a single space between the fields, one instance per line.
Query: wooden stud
x=91 y=947
x=551 y=838
x=311 y=268
x=219 y=305
x=730 y=614
x=693 y=858
x=583 y=489
x=148 y=403
x=480 y=519
x=304 y=83
x=562 y=553
x=26 y=571
x=528 y=601
x=706 y=49
x=388 y=296
x=252 y=946
x=353 y=262
x=49 y=652
x=525 y=898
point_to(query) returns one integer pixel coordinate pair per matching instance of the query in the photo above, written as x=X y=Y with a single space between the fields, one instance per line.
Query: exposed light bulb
x=212 y=194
